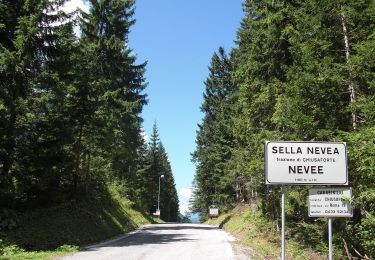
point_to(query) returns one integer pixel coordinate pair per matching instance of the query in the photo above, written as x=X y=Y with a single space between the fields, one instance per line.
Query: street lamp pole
x=161 y=176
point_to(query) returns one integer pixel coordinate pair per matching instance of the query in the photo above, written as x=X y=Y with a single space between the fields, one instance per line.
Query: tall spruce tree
x=152 y=171
x=109 y=98
x=169 y=203
x=34 y=40
x=214 y=139
x=262 y=59
x=155 y=165
x=70 y=109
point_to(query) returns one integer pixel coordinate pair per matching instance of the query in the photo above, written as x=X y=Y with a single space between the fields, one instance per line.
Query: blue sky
x=178 y=38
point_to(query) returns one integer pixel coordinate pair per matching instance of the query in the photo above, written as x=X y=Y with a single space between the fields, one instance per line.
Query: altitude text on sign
x=309 y=163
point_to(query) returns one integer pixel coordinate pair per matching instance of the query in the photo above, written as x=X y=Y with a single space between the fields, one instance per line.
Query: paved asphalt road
x=164 y=241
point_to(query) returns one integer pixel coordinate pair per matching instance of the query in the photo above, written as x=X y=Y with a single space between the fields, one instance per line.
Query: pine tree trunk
x=87 y=171
x=78 y=161
x=352 y=92
x=9 y=147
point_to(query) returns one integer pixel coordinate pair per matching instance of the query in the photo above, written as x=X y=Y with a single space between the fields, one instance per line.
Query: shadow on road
x=154 y=235
x=179 y=227
x=152 y=238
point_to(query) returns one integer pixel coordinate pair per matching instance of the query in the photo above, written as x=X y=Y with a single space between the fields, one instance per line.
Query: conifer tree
x=109 y=97
x=155 y=165
x=152 y=170
x=169 y=204
x=32 y=43
x=214 y=139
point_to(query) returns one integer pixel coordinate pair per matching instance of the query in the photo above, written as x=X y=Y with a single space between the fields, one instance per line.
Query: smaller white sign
x=330 y=202
x=157 y=213
x=213 y=212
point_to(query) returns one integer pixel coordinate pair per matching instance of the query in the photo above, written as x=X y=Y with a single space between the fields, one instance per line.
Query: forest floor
x=258 y=237
x=57 y=231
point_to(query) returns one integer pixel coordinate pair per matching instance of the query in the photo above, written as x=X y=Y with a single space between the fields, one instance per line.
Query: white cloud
x=145 y=136
x=186 y=193
x=72 y=5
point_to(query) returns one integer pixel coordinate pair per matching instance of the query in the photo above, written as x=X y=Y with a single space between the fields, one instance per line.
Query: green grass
x=15 y=253
x=49 y=232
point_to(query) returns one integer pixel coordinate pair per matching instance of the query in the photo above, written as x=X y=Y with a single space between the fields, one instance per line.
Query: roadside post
x=282 y=222
x=156 y=213
x=330 y=202
x=330 y=249
x=303 y=163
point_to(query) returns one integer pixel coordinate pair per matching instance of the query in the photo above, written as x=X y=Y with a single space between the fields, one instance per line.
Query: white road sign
x=309 y=163
x=330 y=202
x=213 y=212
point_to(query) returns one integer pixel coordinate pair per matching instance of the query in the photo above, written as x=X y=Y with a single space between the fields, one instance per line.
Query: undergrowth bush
x=366 y=231
x=8 y=219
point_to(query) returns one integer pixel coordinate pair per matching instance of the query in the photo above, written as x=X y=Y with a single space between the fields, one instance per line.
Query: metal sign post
x=282 y=223
x=330 y=238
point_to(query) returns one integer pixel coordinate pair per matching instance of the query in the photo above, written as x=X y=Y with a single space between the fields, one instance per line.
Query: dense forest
x=70 y=110
x=303 y=71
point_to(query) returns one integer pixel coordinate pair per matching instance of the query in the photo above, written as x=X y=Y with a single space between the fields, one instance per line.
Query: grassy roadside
x=259 y=236
x=61 y=230
x=17 y=253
